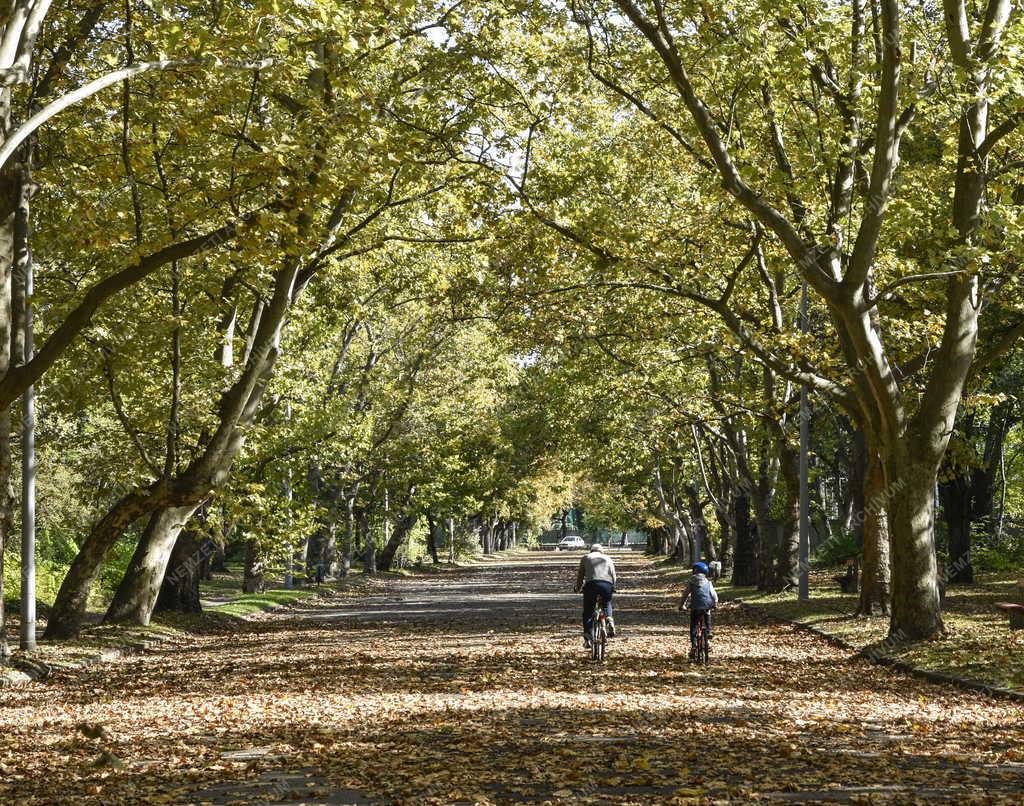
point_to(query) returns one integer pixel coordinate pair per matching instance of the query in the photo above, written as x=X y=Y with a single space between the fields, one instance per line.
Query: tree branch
x=19 y=135
x=18 y=379
x=886 y=152
x=910 y=278
x=958 y=32
x=1000 y=346
x=660 y=39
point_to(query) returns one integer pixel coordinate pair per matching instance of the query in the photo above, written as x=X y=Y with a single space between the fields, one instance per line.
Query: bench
x=1015 y=610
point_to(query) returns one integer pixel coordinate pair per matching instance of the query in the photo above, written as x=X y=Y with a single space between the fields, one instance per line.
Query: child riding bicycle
x=702 y=596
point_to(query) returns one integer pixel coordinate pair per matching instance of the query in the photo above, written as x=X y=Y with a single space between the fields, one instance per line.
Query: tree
x=859 y=246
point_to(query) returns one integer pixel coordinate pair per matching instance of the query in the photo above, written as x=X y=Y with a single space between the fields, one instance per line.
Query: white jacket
x=595 y=567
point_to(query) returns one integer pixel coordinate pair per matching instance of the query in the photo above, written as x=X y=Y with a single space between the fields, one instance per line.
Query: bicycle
x=599 y=639
x=701 y=651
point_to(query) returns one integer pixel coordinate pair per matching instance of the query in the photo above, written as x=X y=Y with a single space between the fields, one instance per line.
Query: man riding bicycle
x=703 y=597
x=596 y=578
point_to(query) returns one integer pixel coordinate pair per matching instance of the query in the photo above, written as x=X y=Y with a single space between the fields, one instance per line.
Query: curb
x=878 y=659
x=23 y=671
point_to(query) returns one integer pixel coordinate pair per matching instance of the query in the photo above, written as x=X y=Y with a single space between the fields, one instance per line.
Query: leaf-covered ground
x=472 y=687
x=978 y=645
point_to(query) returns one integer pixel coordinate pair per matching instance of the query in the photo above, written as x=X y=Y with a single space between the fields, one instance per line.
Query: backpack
x=700 y=593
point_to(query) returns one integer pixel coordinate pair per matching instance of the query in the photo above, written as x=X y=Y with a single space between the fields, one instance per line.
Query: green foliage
x=49 y=574
x=999 y=556
x=837 y=551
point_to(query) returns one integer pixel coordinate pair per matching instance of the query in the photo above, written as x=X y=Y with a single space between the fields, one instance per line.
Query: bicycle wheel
x=705 y=648
x=601 y=639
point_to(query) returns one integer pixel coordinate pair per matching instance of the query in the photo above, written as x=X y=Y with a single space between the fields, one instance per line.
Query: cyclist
x=596 y=577
x=702 y=596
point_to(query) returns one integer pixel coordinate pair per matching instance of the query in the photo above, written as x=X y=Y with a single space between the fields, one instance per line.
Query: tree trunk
x=69 y=607
x=683 y=545
x=787 y=570
x=492 y=536
x=787 y=559
x=329 y=556
x=210 y=551
x=7 y=499
x=847 y=504
x=316 y=549
x=767 y=540
x=725 y=544
x=432 y=538
x=252 y=579
x=136 y=596
x=915 y=592
x=369 y=547
x=875 y=571
x=301 y=561
x=858 y=476
x=403 y=527
x=744 y=569
x=956 y=497
x=702 y=545
x=968 y=496
x=179 y=591
x=218 y=563
x=675 y=529
x=821 y=523
x=350 y=535
x=983 y=479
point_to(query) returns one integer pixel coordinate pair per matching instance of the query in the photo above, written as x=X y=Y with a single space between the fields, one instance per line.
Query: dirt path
x=472 y=687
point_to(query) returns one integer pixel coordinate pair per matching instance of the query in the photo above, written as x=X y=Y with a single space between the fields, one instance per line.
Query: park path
x=471 y=687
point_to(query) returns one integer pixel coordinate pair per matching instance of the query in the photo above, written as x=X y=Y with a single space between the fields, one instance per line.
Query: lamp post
x=28 y=442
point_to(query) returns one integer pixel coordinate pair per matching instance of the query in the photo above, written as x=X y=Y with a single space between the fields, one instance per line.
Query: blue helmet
x=700 y=568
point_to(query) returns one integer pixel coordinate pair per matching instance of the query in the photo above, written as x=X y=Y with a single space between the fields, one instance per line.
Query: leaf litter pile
x=473 y=687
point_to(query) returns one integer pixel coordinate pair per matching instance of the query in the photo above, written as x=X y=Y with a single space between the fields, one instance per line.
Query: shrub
x=841 y=547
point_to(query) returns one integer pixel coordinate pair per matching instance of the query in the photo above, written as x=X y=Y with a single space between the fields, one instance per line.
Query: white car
x=570 y=543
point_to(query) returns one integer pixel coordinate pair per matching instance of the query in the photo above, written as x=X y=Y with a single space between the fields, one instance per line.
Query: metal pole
x=805 y=495
x=28 y=486
x=289 y=562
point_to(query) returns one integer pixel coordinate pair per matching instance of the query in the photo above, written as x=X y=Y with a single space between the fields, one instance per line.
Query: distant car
x=570 y=543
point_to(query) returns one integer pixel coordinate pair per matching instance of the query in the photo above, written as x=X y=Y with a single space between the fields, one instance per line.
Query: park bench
x=1015 y=610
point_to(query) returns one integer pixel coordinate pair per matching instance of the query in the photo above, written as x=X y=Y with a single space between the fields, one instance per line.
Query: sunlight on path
x=472 y=687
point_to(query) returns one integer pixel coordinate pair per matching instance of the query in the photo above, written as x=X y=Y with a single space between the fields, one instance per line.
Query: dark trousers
x=591 y=591
x=695 y=616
